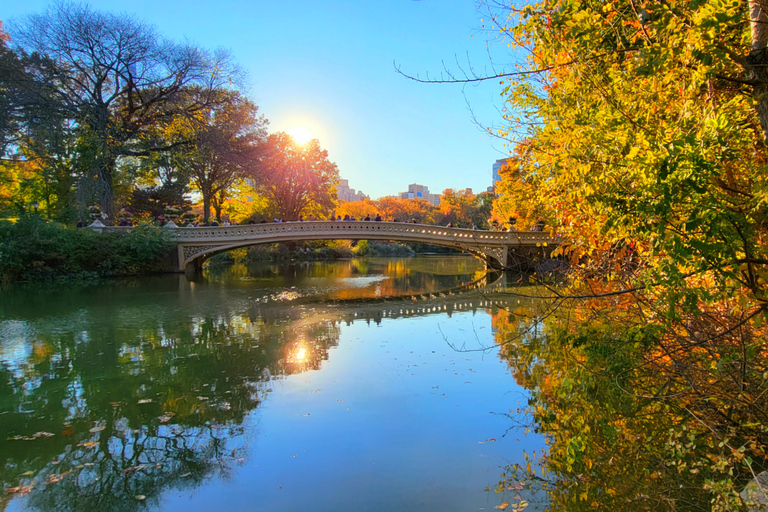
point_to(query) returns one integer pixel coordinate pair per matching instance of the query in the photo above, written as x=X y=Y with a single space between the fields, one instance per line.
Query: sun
x=300 y=135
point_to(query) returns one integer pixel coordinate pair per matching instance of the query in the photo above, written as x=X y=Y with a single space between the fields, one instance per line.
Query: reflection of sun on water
x=298 y=354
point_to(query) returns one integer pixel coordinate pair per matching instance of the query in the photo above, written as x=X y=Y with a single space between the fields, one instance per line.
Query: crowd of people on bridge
x=510 y=225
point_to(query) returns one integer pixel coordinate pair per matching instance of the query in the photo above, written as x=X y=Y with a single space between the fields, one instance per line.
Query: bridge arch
x=197 y=244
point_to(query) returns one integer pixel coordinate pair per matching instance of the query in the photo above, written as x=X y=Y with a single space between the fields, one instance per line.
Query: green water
x=353 y=385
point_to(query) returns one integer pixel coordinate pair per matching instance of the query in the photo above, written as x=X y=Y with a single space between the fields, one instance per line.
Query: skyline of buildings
x=415 y=190
x=345 y=193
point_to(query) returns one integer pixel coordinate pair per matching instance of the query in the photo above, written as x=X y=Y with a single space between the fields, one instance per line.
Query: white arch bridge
x=498 y=249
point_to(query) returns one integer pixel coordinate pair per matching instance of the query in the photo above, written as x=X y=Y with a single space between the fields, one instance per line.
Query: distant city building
x=416 y=191
x=344 y=193
x=496 y=172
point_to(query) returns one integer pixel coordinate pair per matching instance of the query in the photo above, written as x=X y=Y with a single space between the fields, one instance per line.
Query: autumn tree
x=519 y=204
x=406 y=210
x=226 y=149
x=464 y=209
x=357 y=209
x=117 y=78
x=297 y=178
x=641 y=130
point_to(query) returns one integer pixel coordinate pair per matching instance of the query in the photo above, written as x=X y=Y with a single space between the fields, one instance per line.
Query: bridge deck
x=320 y=230
x=492 y=246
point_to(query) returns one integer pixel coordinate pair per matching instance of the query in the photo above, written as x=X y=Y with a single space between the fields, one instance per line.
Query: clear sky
x=327 y=66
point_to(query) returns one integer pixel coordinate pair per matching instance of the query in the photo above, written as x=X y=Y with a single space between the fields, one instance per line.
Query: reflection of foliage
x=139 y=398
x=136 y=408
x=124 y=469
x=637 y=420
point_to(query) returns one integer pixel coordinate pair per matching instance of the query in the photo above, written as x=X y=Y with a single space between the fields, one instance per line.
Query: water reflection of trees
x=336 y=280
x=624 y=432
x=95 y=416
x=108 y=399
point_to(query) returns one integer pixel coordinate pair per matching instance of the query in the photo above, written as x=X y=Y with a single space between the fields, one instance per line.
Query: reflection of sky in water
x=360 y=282
x=285 y=405
x=16 y=344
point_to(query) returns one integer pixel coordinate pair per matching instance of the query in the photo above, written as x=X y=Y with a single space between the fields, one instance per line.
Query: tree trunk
x=206 y=207
x=106 y=193
x=758 y=60
x=218 y=203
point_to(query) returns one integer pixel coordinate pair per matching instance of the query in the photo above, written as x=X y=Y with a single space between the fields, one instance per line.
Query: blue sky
x=328 y=66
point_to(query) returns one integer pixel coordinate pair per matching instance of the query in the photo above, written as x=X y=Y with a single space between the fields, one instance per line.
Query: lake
x=365 y=384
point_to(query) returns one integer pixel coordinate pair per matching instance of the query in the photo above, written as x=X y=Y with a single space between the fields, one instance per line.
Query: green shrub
x=33 y=250
x=361 y=248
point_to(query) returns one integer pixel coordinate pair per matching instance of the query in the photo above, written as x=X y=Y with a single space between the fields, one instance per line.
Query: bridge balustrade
x=197 y=243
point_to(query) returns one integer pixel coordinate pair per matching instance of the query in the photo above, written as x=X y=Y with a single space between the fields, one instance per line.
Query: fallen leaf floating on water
x=503 y=506
x=97 y=429
x=144 y=401
x=140 y=497
x=490 y=439
x=52 y=479
x=36 y=435
x=21 y=490
x=520 y=506
x=165 y=418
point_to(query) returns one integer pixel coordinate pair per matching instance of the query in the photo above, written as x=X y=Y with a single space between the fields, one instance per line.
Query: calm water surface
x=323 y=386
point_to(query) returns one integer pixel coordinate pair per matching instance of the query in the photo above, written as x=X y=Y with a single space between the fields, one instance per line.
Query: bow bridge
x=499 y=249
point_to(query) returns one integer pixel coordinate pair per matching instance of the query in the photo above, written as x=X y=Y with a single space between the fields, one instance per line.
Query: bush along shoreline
x=32 y=249
x=35 y=250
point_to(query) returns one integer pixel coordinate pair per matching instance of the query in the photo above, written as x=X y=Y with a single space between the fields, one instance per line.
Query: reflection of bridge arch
x=483 y=294
x=493 y=247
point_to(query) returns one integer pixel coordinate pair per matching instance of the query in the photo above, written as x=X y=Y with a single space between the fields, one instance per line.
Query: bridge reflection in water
x=491 y=291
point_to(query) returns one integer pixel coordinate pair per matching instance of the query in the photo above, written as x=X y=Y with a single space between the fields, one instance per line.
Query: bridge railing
x=353 y=229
